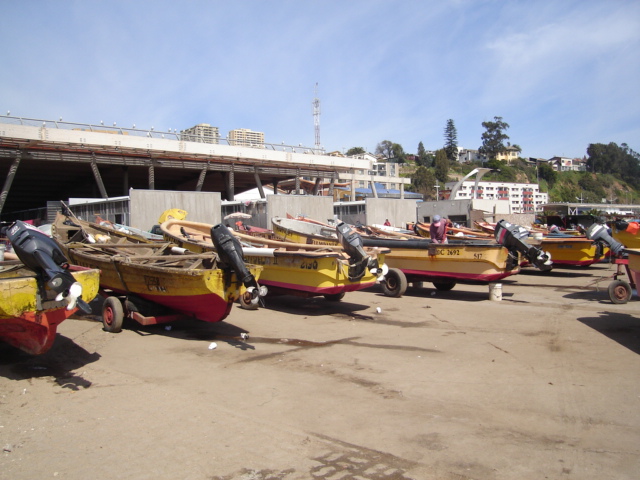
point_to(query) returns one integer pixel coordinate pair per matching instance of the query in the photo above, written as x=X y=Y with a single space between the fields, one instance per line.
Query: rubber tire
x=112 y=315
x=334 y=297
x=444 y=286
x=619 y=292
x=395 y=283
x=245 y=302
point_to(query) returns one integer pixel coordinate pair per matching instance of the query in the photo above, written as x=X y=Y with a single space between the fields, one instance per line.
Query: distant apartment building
x=246 y=138
x=379 y=169
x=202 y=133
x=522 y=197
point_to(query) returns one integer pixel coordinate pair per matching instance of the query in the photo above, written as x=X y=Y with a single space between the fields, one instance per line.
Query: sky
x=562 y=74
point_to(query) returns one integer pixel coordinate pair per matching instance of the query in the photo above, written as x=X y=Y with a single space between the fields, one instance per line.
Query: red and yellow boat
x=299 y=269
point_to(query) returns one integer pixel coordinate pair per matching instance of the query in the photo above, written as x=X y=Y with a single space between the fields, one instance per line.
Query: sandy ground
x=438 y=385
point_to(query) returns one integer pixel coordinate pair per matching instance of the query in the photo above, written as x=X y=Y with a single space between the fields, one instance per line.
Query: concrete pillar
x=256 y=176
x=201 y=178
x=96 y=175
x=9 y=180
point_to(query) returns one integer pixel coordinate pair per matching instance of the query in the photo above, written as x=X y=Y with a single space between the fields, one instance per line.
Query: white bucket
x=495 y=292
x=2 y=249
x=537 y=235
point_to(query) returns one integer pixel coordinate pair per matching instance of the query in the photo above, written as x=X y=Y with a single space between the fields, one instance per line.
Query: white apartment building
x=390 y=170
x=201 y=133
x=246 y=138
x=522 y=197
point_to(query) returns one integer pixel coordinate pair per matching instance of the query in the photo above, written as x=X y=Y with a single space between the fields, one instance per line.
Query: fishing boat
x=634 y=264
x=153 y=282
x=573 y=250
x=302 y=231
x=445 y=265
x=305 y=270
x=627 y=233
x=470 y=261
x=40 y=290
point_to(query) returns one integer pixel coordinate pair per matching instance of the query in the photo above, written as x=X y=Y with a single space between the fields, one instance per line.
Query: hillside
x=562 y=187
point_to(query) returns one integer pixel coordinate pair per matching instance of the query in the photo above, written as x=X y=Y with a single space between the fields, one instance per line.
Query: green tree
x=355 y=151
x=441 y=165
x=451 y=141
x=422 y=157
x=493 y=138
x=391 y=151
x=547 y=173
x=622 y=162
x=423 y=181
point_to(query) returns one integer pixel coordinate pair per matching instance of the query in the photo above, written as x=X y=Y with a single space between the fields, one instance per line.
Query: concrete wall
x=314 y=207
x=148 y=205
x=445 y=208
x=399 y=212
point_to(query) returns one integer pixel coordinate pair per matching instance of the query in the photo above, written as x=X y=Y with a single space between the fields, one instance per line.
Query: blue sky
x=562 y=74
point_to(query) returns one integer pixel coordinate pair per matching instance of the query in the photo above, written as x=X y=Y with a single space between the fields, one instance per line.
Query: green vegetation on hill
x=613 y=176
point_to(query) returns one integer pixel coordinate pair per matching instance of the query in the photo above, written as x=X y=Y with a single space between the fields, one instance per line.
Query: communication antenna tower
x=316 y=117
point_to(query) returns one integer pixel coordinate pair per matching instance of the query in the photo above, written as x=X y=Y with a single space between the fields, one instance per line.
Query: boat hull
x=627 y=239
x=464 y=262
x=291 y=272
x=29 y=318
x=297 y=231
x=573 y=251
x=634 y=263
x=192 y=286
x=207 y=294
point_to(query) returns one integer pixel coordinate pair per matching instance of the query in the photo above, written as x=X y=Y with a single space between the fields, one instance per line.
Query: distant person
x=438 y=229
x=387 y=223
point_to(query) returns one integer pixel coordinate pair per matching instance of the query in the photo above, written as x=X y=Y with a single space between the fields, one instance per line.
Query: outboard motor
x=40 y=253
x=599 y=233
x=359 y=261
x=511 y=236
x=230 y=253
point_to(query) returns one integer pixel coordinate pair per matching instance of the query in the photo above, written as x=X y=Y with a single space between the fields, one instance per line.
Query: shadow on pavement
x=622 y=328
x=59 y=362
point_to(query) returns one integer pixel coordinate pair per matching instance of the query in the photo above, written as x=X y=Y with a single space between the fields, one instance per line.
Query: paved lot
x=438 y=385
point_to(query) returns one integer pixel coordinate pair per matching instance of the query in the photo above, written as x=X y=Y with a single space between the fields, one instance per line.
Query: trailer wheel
x=444 y=286
x=334 y=297
x=619 y=291
x=395 y=283
x=112 y=314
x=245 y=301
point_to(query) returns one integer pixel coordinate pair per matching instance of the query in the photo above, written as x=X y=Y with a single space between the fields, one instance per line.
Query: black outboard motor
x=511 y=236
x=40 y=253
x=359 y=261
x=599 y=233
x=230 y=253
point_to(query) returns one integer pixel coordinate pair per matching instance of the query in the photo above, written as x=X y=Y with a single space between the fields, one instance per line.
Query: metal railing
x=171 y=134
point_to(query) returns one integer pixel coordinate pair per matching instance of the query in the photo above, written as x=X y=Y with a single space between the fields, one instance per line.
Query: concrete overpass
x=44 y=160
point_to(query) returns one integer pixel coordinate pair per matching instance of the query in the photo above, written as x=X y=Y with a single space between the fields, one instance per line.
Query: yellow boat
x=288 y=268
x=29 y=311
x=573 y=250
x=39 y=290
x=157 y=281
x=627 y=233
x=444 y=265
x=299 y=231
x=634 y=264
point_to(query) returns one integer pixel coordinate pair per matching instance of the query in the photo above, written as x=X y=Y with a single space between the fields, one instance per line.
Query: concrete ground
x=437 y=385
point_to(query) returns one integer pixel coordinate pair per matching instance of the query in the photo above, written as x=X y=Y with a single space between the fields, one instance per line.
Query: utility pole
x=316 y=117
